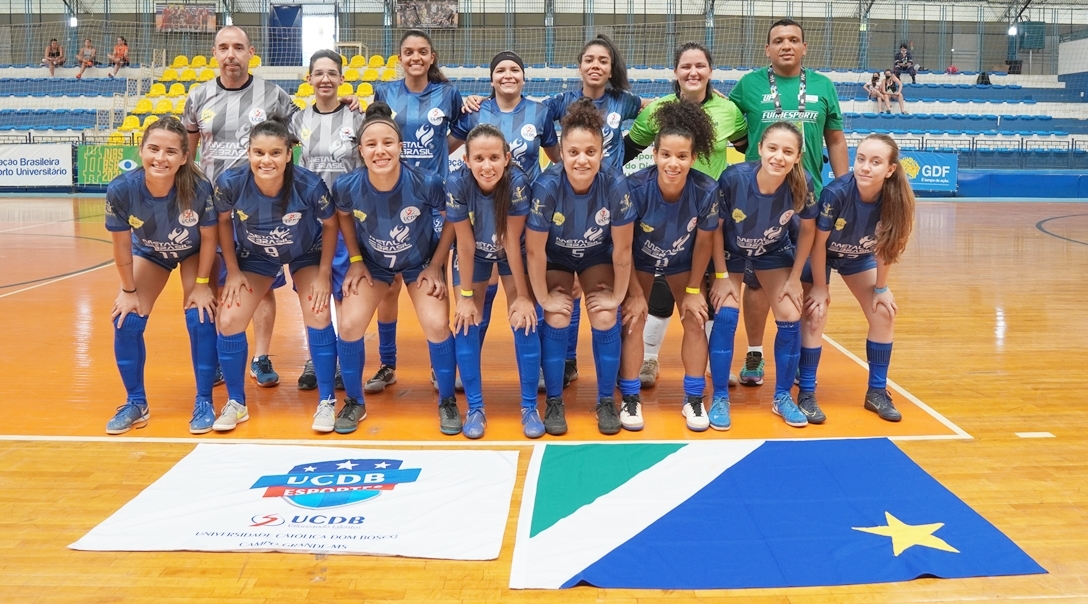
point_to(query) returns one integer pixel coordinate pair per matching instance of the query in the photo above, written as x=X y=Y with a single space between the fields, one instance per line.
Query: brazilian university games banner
x=423 y=504
x=38 y=165
x=746 y=513
x=99 y=164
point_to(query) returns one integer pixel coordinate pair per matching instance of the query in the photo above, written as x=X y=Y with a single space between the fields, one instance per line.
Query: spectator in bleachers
x=86 y=57
x=904 y=62
x=876 y=92
x=893 y=89
x=119 y=57
x=54 y=56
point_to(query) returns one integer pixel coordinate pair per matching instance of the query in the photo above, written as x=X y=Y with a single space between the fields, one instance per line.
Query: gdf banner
x=99 y=164
x=926 y=171
x=35 y=165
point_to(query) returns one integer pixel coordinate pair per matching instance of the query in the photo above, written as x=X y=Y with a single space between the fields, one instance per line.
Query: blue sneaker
x=788 y=410
x=261 y=369
x=475 y=422
x=719 y=414
x=530 y=419
x=218 y=379
x=130 y=415
x=203 y=417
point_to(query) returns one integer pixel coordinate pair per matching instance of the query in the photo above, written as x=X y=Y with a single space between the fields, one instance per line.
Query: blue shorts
x=767 y=262
x=844 y=266
x=481 y=269
x=166 y=263
x=570 y=264
x=385 y=275
x=648 y=264
x=279 y=282
x=261 y=265
x=340 y=264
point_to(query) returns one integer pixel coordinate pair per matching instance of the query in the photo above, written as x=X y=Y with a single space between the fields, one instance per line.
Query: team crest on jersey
x=738 y=216
x=785 y=217
x=826 y=212
x=347 y=134
x=292 y=218
x=188 y=218
x=603 y=216
x=207 y=115
x=528 y=132
x=839 y=224
x=304 y=135
x=811 y=201
x=179 y=236
x=625 y=203
x=135 y=222
x=472 y=218
x=691 y=223
x=518 y=196
x=399 y=233
x=408 y=215
x=646 y=228
x=359 y=215
x=868 y=242
x=435 y=116
x=558 y=219
x=241 y=215
x=593 y=234
x=613 y=120
x=257 y=115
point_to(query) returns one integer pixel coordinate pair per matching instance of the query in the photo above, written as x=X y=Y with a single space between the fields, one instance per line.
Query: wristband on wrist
x=721 y=275
x=355 y=259
x=129 y=291
x=466 y=293
x=880 y=290
x=692 y=290
x=203 y=280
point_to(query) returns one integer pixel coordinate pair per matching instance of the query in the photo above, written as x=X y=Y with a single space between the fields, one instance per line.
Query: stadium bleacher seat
x=180 y=61
x=151 y=119
x=143 y=106
x=371 y=75
x=365 y=89
x=213 y=63
x=169 y=75
x=351 y=75
x=179 y=108
x=304 y=89
x=115 y=139
x=376 y=61
x=130 y=123
x=301 y=104
x=388 y=75
x=198 y=62
x=254 y=62
x=163 y=107
x=157 y=89
x=194 y=85
x=187 y=75
x=393 y=61
x=176 y=89
x=205 y=75
x=345 y=89
x=357 y=62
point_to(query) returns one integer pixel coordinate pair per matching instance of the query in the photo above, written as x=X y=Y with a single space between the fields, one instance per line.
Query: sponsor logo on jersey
x=603 y=216
x=435 y=116
x=625 y=203
x=613 y=120
x=785 y=217
x=826 y=211
x=537 y=207
x=472 y=218
x=292 y=218
x=135 y=222
x=304 y=134
x=278 y=236
x=691 y=223
x=518 y=196
x=399 y=233
x=678 y=245
x=359 y=215
x=207 y=115
x=408 y=215
x=558 y=219
x=646 y=228
x=528 y=132
x=347 y=134
x=518 y=148
x=188 y=218
x=839 y=224
x=593 y=234
x=179 y=235
x=257 y=115
x=241 y=215
x=738 y=216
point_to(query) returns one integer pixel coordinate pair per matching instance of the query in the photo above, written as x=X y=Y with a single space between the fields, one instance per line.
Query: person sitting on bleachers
x=876 y=92
x=86 y=57
x=893 y=89
x=54 y=56
x=904 y=62
x=119 y=57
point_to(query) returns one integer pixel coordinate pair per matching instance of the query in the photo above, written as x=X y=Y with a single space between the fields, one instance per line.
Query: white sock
x=709 y=325
x=653 y=334
x=758 y=349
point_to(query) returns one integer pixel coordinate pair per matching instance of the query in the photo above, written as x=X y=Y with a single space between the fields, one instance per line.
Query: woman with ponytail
x=486 y=208
x=161 y=217
x=758 y=200
x=677 y=212
x=865 y=221
x=279 y=215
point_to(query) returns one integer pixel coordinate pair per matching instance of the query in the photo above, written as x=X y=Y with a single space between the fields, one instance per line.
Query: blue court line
x=1042 y=228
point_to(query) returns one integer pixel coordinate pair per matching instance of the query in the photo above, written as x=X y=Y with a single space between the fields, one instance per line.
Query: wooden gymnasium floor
x=989 y=357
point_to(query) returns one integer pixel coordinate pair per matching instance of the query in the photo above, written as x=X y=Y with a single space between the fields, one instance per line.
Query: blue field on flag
x=747 y=514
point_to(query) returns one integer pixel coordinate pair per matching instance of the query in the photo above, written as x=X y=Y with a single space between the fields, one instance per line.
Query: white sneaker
x=631 y=413
x=695 y=413
x=233 y=414
x=647 y=376
x=325 y=418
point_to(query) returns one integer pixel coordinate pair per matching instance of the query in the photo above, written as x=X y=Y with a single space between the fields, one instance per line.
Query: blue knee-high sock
x=572 y=334
x=485 y=320
x=810 y=360
x=527 y=351
x=879 y=357
x=468 y=363
x=695 y=385
x=202 y=338
x=234 y=360
x=552 y=353
x=352 y=355
x=787 y=351
x=323 y=354
x=721 y=348
x=444 y=363
x=606 y=356
x=387 y=344
x=629 y=387
x=128 y=348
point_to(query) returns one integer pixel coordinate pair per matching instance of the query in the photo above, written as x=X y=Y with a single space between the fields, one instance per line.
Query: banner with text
x=99 y=164
x=35 y=165
x=423 y=504
x=926 y=171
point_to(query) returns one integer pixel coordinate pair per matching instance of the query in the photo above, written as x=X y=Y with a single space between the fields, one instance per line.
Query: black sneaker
x=347 y=421
x=449 y=417
x=879 y=401
x=338 y=382
x=807 y=403
x=218 y=379
x=386 y=376
x=308 y=379
x=555 y=419
x=608 y=420
x=570 y=372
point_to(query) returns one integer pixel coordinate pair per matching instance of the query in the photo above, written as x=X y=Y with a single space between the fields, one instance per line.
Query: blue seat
x=958 y=117
x=931 y=85
x=1044 y=118
x=922 y=116
x=1027 y=118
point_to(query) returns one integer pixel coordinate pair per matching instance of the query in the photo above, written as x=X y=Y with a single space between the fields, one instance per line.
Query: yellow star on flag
x=905 y=535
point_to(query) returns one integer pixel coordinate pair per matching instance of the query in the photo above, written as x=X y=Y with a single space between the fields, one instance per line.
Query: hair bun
x=379 y=109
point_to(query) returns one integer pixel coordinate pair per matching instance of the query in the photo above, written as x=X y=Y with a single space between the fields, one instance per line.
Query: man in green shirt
x=786 y=91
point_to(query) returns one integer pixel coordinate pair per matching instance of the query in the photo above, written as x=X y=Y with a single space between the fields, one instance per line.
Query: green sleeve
x=740 y=125
x=834 y=113
x=644 y=130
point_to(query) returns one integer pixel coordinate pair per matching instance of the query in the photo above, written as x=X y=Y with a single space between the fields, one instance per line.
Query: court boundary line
x=68 y=276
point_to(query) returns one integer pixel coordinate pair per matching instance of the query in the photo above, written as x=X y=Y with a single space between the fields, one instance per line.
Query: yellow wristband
x=692 y=290
x=466 y=293
x=355 y=259
x=720 y=275
x=203 y=280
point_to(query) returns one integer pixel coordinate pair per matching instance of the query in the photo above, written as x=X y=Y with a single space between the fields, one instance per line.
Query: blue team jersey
x=263 y=226
x=467 y=202
x=395 y=229
x=616 y=106
x=579 y=225
x=527 y=130
x=851 y=221
x=664 y=238
x=754 y=224
x=159 y=227
x=424 y=119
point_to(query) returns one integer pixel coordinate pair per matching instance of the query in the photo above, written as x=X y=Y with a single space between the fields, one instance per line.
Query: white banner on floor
x=36 y=165
x=424 y=504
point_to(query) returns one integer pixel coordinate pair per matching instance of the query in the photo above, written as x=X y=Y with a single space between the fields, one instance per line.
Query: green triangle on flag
x=601 y=468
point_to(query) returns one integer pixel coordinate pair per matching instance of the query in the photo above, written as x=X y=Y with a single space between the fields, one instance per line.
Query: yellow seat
x=351 y=75
x=180 y=61
x=304 y=89
x=157 y=89
x=254 y=61
x=393 y=61
x=300 y=103
x=179 y=108
x=170 y=75
x=143 y=106
x=151 y=119
x=365 y=89
x=131 y=123
x=345 y=90
x=205 y=75
x=198 y=62
x=115 y=139
x=176 y=89
x=163 y=107
x=376 y=61
x=388 y=75
x=193 y=86
x=213 y=63
x=358 y=62
x=363 y=105
x=187 y=75
x=371 y=75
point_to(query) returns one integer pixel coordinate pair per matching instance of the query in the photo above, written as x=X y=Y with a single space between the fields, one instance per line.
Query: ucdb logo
x=327 y=484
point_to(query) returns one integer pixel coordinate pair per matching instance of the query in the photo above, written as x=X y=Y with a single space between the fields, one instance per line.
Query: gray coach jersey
x=328 y=141
x=224 y=117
